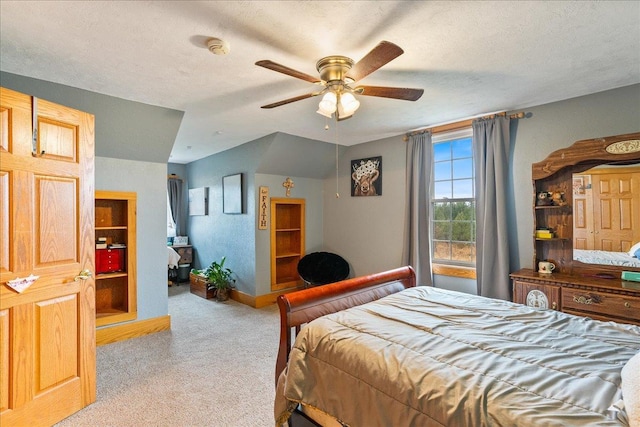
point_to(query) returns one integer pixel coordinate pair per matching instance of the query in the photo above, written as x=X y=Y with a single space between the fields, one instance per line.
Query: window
x=453 y=223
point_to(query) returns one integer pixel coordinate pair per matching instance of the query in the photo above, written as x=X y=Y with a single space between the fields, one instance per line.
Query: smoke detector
x=218 y=46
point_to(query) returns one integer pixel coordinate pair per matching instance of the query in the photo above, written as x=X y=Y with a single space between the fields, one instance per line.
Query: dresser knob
x=626 y=304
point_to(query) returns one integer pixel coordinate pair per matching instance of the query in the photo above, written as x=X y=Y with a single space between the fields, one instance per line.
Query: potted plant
x=220 y=279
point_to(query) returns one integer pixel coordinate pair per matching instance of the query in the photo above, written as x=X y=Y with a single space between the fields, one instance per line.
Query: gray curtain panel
x=491 y=159
x=416 y=234
x=174 y=187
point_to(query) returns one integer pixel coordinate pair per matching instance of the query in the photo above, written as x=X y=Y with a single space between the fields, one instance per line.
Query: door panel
x=47 y=340
x=56 y=320
x=4 y=222
x=57 y=140
x=616 y=227
x=4 y=361
x=56 y=221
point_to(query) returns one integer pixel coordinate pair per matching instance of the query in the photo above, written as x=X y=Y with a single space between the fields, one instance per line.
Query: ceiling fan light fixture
x=344 y=114
x=324 y=113
x=349 y=103
x=328 y=104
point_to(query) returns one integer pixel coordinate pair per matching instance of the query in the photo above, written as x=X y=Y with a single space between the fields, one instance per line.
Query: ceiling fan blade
x=288 y=71
x=405 y=93
x=290 y=100
x=378 y=56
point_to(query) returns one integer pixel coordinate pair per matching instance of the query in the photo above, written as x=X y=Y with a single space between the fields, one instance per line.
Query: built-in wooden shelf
x=287 y=242
x=116 y=290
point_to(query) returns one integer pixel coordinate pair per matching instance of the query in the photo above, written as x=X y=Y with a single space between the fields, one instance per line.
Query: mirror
x=556 y=174
x=606 y=215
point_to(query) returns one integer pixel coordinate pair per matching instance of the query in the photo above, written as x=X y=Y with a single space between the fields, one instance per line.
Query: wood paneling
x=56 y=322
x=4 y=361
x=56 y=221
x=5 y=222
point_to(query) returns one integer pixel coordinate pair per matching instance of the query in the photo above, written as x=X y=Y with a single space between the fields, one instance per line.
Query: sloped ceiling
x=295 y=156
x=124 y=129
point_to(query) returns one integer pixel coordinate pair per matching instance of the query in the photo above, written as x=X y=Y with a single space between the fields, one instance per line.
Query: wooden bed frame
x=301 y=307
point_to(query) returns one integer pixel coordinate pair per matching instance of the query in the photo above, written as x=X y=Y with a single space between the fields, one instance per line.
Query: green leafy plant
x=219 y=276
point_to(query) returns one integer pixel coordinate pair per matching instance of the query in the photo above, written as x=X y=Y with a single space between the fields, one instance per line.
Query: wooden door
x=47 y=332
x=616 y=211
x=583 y=237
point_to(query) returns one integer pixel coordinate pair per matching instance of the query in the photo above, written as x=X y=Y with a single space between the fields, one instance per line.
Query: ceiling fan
x=337 y=76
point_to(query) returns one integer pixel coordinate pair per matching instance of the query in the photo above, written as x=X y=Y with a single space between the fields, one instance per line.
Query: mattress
x=622 y=259
x=430 y=357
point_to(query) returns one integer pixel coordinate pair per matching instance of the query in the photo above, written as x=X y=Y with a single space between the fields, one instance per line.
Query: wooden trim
x=454 y=271
x=116 y=195
x=260 y=300
x=462 y=124
x=126 y=331
x=268 y=299
x=586 y=153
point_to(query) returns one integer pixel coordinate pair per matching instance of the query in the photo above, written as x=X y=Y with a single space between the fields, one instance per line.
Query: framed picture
x=366 y=177
x=232 y=194
x=198 y=201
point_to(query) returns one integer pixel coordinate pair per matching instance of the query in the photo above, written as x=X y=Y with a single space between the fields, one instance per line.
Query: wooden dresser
x=579 y=204
x=598 y=298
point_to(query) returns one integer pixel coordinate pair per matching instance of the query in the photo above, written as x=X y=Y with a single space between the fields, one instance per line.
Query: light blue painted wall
x=218 y=234
x=149 y=181
x=367 y=231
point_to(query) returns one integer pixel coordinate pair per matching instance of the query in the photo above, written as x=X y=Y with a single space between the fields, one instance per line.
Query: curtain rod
x=174 y=176
x=463 y=124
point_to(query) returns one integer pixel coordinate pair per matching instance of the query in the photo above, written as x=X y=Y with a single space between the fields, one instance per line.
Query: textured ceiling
x=470 y=58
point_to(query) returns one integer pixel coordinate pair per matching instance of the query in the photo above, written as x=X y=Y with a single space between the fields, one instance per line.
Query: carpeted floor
x=214 y=368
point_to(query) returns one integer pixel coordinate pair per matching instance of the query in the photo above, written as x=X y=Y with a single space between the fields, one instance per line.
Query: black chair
x=321 y=268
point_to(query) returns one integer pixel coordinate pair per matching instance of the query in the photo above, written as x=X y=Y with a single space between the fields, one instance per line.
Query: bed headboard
x=300 y=307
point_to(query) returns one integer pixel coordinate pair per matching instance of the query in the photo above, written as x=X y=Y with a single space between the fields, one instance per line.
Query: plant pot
x=222 y=294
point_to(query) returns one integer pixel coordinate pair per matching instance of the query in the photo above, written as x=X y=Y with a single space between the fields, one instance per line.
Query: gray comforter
x=429 y=357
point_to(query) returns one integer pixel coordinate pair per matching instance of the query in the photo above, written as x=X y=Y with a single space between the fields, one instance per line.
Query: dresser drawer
x=610 y=305
x=536 y=295
x=186 y=254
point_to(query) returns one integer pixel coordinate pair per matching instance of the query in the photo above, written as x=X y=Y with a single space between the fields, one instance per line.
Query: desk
x=185 y=252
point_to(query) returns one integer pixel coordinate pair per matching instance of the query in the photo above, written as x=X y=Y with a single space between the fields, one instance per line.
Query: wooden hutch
x=593 y=290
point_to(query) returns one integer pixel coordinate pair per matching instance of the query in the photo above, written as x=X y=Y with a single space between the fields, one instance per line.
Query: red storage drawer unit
x=109 y=260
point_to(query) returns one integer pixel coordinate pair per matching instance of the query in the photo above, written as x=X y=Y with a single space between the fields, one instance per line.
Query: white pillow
x=631 y=389
x=634 y=249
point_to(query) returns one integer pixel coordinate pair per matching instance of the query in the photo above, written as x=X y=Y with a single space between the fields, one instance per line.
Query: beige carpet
x=214 y=368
